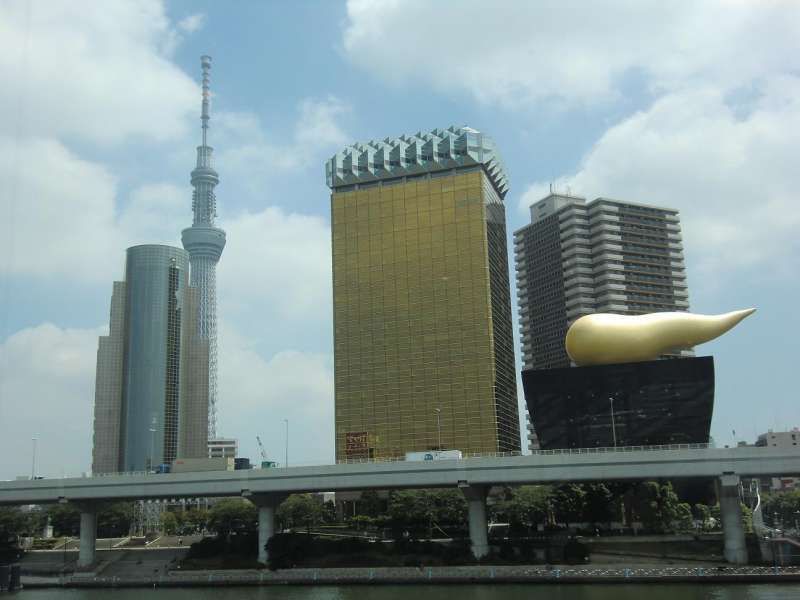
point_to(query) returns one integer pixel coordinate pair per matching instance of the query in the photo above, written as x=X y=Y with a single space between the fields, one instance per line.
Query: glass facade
x=422 y=317
x=156 y=278
x=108 y=388
x=654 y=402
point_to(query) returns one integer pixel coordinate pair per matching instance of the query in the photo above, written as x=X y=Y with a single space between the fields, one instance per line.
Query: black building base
x=657 y=402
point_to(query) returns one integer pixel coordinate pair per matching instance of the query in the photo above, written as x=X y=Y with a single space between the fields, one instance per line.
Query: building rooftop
x=419 y=153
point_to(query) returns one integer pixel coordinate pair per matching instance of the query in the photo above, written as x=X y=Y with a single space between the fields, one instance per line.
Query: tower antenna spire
x=205 y=63
x=204 y=242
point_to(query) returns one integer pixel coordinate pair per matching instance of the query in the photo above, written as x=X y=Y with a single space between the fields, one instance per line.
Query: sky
x=694 y=106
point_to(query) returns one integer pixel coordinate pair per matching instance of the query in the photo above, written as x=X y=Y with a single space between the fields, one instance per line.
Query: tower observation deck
x=204 y=242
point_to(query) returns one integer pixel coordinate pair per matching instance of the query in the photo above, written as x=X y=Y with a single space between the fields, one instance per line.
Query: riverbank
x=428 y=575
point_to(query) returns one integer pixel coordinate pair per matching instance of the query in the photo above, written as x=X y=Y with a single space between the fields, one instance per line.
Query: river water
x=604 y=591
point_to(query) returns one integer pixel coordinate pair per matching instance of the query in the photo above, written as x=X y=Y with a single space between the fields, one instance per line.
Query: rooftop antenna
x=205 y=63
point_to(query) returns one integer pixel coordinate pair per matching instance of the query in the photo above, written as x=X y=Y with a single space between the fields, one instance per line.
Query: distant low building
x=241 y=464
x=779 y=439
x=223 y=448
x=785 y=440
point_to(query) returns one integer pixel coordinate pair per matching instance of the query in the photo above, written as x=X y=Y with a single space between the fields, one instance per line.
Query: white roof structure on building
x=437 y=150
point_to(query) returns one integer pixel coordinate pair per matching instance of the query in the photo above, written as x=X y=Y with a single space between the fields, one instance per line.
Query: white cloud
x=730 y=169
x=567 y=52
x=97 y=75
x=319 y=124
x=276 y=264
x=192 y=23
x=257 y=393
x=247 y=148
x=61 y=216
x=155 y=213
x=58 y=212
x=47 y=391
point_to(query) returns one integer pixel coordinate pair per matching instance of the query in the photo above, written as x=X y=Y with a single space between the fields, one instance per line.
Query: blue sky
x=693 y=106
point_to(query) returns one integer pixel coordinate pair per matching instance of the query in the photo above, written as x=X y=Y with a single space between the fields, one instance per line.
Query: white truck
x=434 y=455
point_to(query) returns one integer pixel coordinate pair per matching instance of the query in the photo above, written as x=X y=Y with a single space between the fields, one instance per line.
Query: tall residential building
x=204 y=242
x=151 y=393
x=605 y=256
x=423 y=345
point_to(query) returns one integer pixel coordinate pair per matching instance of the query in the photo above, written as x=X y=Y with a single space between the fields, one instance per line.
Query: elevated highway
x=268 y=487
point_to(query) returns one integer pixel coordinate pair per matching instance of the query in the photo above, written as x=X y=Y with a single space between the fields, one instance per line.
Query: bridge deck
x=623 y=464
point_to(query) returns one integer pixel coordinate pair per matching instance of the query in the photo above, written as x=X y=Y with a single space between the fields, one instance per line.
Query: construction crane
x=265 y=464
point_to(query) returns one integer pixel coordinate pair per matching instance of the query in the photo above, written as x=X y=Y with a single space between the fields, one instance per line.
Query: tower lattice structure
x=204 y=242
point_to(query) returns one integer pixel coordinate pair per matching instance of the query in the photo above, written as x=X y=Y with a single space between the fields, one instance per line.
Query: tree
x=599 y=504
x=114 y=520
x=747 y=518
x=524 y=507
x=448 y=507
x=409 y=512
x=65 y=519
x=232 y=514
x=656 y=505
x=300 y=510
x=329 y=512
x=197 y=519
x=419 y=511
x=370 y=504
x=568 y=502
x=15 y=523
x=782 y=509
x=169 y=522
x=683 y=517
x=702 y=513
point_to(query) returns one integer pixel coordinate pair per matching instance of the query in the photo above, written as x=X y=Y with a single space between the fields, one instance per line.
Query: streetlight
x=33 y=462
x=286 y=449
x=152 y=444
x=613 y=424
x=438 y=412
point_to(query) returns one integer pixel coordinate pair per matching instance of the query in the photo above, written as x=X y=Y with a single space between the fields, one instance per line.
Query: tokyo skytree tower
x=204 y=242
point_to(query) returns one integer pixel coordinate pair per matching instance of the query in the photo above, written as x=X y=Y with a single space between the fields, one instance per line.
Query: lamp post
x=152 y=444
x=613 y=424
x=33 y=461
x=286 y=449
x=438 y=412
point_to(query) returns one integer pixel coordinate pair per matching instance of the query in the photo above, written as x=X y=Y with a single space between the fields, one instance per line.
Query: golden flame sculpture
x=604 y=339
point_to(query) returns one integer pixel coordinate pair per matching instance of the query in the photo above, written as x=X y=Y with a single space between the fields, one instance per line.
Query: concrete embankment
x=430 y=575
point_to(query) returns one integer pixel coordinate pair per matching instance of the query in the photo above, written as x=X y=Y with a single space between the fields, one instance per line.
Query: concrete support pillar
x=86 y=555
x=731 y=512
x=478 y=528
x=266 y=529
x=267 y=506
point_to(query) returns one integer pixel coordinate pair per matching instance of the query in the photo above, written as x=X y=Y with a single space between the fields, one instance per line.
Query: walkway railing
x=453 y=574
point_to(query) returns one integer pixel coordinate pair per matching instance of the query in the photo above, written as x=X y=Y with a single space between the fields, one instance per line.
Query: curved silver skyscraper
x=204 y=242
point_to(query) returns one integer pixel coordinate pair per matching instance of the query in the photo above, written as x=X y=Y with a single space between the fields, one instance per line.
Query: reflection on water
x=676 y=591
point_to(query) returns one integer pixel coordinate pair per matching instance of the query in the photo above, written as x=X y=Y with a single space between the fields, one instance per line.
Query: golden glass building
x=423 y=348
